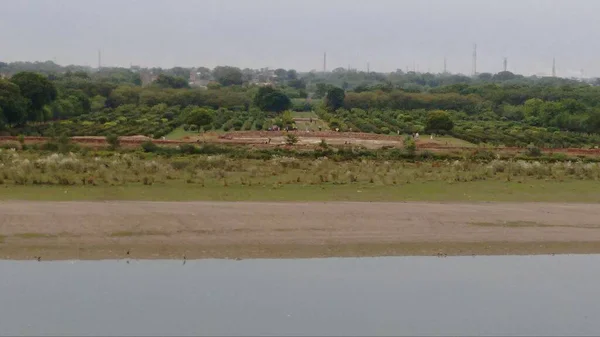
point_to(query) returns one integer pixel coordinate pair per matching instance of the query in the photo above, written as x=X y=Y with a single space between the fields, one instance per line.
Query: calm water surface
x=517 y=295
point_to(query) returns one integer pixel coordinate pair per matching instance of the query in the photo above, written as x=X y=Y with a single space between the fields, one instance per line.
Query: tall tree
x=438 y=122
x=12 y=104
x=200 y=117
x=38 y=90
x=335 y=98
x=269 y=99
x=167 y=81
x=228 y=75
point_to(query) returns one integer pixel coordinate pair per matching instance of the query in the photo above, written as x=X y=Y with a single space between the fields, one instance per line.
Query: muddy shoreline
x=240 y=230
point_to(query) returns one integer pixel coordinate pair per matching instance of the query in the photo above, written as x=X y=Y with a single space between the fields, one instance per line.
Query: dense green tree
x=123 y=95
x=179 y=72
x=292 y=74
x=174 y=82
x=228 y=75
x=438 y=122
x=200 y=117
x=297 y=84
x=281 y=74
x=269 y=99
x=335 y=98
x=321 y=90
x=204 y=72
x=38 y=90
x=12 y=104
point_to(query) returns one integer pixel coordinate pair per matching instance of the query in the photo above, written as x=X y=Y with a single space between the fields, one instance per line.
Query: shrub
x=149 y=146
x=410 y=146
x=50 y=146
x=10 y=145
x=291 y=139
x=533 y=151
x=188 y=149
x=113 y=141
x=483 y=155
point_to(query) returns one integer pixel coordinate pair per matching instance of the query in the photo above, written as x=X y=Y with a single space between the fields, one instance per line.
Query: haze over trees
x=502 y=108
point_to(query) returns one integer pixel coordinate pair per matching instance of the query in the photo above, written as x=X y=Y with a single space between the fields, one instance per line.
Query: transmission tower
x=505 y=64
x=445 y=68
x=475 y=60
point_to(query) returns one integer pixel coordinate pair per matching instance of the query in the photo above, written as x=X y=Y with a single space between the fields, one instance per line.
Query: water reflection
x=526 y=295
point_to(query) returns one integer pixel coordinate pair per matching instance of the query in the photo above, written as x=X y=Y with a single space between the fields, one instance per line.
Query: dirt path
x=96 y=230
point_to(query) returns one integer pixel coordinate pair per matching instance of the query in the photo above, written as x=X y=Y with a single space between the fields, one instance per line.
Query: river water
x=505 y=295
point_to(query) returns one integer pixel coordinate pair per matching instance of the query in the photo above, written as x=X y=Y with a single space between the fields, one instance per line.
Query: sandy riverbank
x=100 y=230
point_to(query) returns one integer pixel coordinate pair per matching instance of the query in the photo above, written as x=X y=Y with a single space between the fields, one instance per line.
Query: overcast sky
x=389 y=34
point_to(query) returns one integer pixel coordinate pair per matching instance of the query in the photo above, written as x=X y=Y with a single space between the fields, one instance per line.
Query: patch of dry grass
x=523 y=224
x=124 y=234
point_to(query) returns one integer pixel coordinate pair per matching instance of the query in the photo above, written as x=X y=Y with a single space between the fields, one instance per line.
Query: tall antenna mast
x=505 y=63
x=99 y=59
x=445 y=69
x=553 y=67
x=324 y=62
x=475 y=60
x=368 y=68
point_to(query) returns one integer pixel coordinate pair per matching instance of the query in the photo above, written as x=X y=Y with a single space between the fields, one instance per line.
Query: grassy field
x=534 y=190
x=139 y=176
x=180 y=133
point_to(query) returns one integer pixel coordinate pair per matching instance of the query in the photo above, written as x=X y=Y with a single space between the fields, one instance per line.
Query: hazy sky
x=389 y=34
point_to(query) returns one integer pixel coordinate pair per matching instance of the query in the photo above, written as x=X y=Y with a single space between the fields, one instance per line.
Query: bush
x=483 y=155
x=410 y=146
x=10 y=145
x=149 y=146
x=113 y=141
x=291 y=139
x=50 y=146
x=188 y=149
x=533 y=151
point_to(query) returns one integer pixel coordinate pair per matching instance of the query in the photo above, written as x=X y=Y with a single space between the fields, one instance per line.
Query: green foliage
x=174 y=82
x=291 y=139
x=200 y=117
x=533 y=151
x=227 y=76
x=410 y=146
x=438 y=122
x=272 y=100
x=38 y=91
x=335 y=98
x=113 y=141
x=13 y=106
x=149 y=146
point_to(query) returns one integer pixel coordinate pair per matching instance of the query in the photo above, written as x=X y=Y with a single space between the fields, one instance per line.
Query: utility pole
x=475 y=60
x=445 y=69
